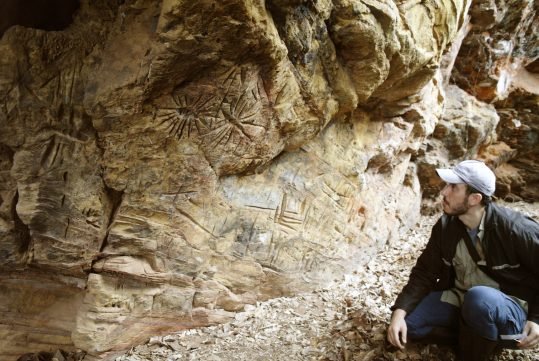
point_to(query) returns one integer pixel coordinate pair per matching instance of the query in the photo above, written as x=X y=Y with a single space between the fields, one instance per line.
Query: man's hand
x=396 y=332
x=531 y=330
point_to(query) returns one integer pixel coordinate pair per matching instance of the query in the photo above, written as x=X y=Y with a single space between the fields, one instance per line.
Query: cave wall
x=163 y=164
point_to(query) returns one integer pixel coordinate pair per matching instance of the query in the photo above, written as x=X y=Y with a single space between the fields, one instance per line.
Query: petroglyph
x=187 y=116
x=292 y=213
x=239 y=116
x=52 y=149
x=59 y=92
x=56 y=150
x=223 y=111
x=64 y=85
x=295 y=255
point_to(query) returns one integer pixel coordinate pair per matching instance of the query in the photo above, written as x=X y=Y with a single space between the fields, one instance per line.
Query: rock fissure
x=116 y=198
x=22 y=230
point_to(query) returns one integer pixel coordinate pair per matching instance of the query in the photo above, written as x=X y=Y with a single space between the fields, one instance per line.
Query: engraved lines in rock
x=53 y=148
x=291 y=213
x=57 y=94
x=341 y=192
x=296 y=221
x=268 y=243
x=62 y=85
x=238 y=117
x=189 y=115
x=228 y=120
x=284 y=96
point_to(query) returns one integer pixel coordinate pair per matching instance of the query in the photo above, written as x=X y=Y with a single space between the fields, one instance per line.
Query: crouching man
x=477 y=281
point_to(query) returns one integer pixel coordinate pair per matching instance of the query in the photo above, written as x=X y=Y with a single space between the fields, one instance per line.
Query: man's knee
x=480 y=310
x=479 y=303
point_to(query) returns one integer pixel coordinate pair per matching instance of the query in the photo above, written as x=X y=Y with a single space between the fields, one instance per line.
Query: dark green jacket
x=511 y=245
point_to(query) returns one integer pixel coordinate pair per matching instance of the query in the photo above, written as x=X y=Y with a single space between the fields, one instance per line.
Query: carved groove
x=237 y=111
x=289 y=217
x=186 y=118
x=22 y=232
x=116 y=198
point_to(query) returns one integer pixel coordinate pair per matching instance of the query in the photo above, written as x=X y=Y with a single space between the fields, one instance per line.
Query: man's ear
x=475 y=198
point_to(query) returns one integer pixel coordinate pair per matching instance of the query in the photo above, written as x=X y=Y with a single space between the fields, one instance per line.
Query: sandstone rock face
x=497 y=63
x=518 y=175
x=165 y=163
x=498 y=54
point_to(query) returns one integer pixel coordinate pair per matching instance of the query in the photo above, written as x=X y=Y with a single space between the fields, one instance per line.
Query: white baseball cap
x=472 y=172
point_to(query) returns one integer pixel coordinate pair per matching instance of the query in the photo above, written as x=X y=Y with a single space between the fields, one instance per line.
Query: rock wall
x=165 y=163
x=498 y=63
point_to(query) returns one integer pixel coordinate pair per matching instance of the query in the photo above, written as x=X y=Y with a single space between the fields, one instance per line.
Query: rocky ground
x=345 y=321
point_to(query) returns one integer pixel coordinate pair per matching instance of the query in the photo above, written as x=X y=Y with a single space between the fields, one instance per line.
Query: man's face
x=455 y=199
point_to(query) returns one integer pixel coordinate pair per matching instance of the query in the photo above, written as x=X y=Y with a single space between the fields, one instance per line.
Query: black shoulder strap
x=467 y=241
x=471 y=248
x=445 y=221
x=473 y=252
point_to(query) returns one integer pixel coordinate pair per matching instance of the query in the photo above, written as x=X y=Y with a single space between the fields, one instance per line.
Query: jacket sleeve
x=529 y=256
x=425 y=273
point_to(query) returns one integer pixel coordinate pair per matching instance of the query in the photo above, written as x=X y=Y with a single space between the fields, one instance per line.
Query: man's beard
x=459 y=209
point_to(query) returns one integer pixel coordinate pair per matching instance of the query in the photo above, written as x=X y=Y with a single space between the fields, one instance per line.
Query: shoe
x=473 y=347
